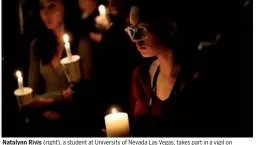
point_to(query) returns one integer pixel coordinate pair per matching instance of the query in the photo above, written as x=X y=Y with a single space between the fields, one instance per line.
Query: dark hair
x=161 y=15
x=46 y=44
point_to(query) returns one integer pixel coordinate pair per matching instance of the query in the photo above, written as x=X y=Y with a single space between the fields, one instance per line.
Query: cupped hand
x=67 y=94
x=40 y=102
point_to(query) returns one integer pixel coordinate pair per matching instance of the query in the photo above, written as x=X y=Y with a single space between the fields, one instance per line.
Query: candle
x=67 y=46
x=102 y=19
x=117 y=124
x=20 y=79
x=102 y=10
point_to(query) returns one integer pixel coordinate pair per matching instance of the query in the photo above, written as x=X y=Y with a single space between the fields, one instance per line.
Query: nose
x=139 y=43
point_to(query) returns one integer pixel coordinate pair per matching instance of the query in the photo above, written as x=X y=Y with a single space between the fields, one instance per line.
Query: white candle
x=20 y=79
x=117 y=124
x=102 y=10
x=102 y=18
x=67 y=46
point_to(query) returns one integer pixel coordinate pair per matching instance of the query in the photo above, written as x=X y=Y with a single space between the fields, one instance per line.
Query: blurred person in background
x=167 y=95
x=113 y=66
x=46 y=75
x=89 y=12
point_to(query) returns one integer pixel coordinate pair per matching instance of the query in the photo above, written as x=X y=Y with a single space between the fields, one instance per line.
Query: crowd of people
x=154 y=60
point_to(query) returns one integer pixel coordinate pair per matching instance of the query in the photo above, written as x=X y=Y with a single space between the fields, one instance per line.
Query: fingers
x=40 y=102
x=67 y=93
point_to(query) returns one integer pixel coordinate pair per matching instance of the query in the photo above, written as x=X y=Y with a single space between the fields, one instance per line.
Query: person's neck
x=59 y=32
x=168 y=68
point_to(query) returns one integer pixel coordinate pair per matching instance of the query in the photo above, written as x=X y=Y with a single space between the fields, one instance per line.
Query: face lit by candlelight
x=87 y=5
x=52 y=13
x=148 y=44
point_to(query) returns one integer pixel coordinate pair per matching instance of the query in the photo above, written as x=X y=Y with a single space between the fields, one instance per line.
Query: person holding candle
x=166 y=89
x=46 y=75
x=115 y=50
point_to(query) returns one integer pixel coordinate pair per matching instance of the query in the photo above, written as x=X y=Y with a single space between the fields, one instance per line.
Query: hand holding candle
x=24 y=94
x=117 y=124
x=70 y=63
x=67 y=46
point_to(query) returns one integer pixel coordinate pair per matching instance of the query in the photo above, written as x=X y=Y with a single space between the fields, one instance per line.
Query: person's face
x=86 y=4
x=146 y=42
x=52 y=13
x=112 y=8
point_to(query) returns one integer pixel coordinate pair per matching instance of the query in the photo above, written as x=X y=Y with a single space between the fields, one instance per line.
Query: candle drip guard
x=24 y=96
x=72 y=68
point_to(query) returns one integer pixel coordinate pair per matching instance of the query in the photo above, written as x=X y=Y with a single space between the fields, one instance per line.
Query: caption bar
x=117 y=142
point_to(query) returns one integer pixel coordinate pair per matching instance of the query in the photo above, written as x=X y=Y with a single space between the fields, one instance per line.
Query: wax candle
x=117 y=124
x=19 y=79
x=102 y=18
x=67 y=46
x=102 y=10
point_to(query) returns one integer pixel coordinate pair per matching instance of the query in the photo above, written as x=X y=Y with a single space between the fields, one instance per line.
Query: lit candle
x=102 y=10
x=67 y=46
x=20 y=79
x=102 y=18
x=117 y=124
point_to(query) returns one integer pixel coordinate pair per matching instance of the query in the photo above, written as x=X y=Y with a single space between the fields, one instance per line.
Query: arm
x=34 y=77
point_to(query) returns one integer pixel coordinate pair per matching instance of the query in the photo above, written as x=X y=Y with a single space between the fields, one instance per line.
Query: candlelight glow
x=102 y=10
x=114 y=111
x=66 y=38
x=18 y=74
x=117 y=124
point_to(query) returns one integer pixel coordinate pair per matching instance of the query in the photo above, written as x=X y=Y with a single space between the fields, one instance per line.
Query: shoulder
x=142 y=69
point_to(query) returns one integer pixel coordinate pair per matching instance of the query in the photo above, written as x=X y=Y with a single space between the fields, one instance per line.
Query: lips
x=141 y=47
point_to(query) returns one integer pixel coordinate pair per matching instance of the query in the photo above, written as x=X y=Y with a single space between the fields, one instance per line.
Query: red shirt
x=176 y=112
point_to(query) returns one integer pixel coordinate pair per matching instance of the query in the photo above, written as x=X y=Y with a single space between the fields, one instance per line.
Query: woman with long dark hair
x=46 y=75
x=164 y=93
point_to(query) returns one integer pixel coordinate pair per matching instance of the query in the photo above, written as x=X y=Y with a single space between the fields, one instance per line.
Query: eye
x=142 y=30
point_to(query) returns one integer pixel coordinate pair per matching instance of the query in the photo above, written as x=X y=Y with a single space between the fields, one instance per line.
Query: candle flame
x=114 y=111
x=65 y=38
x=18 y=74
x=102 y=10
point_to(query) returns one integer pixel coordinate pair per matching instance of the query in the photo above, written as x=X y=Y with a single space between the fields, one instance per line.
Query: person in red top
x=165 y=89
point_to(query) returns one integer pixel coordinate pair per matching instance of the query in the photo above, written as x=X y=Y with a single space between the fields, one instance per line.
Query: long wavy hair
x=46 y=44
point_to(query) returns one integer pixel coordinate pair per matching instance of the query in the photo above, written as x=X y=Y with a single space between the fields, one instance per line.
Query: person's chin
x=145 y=53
